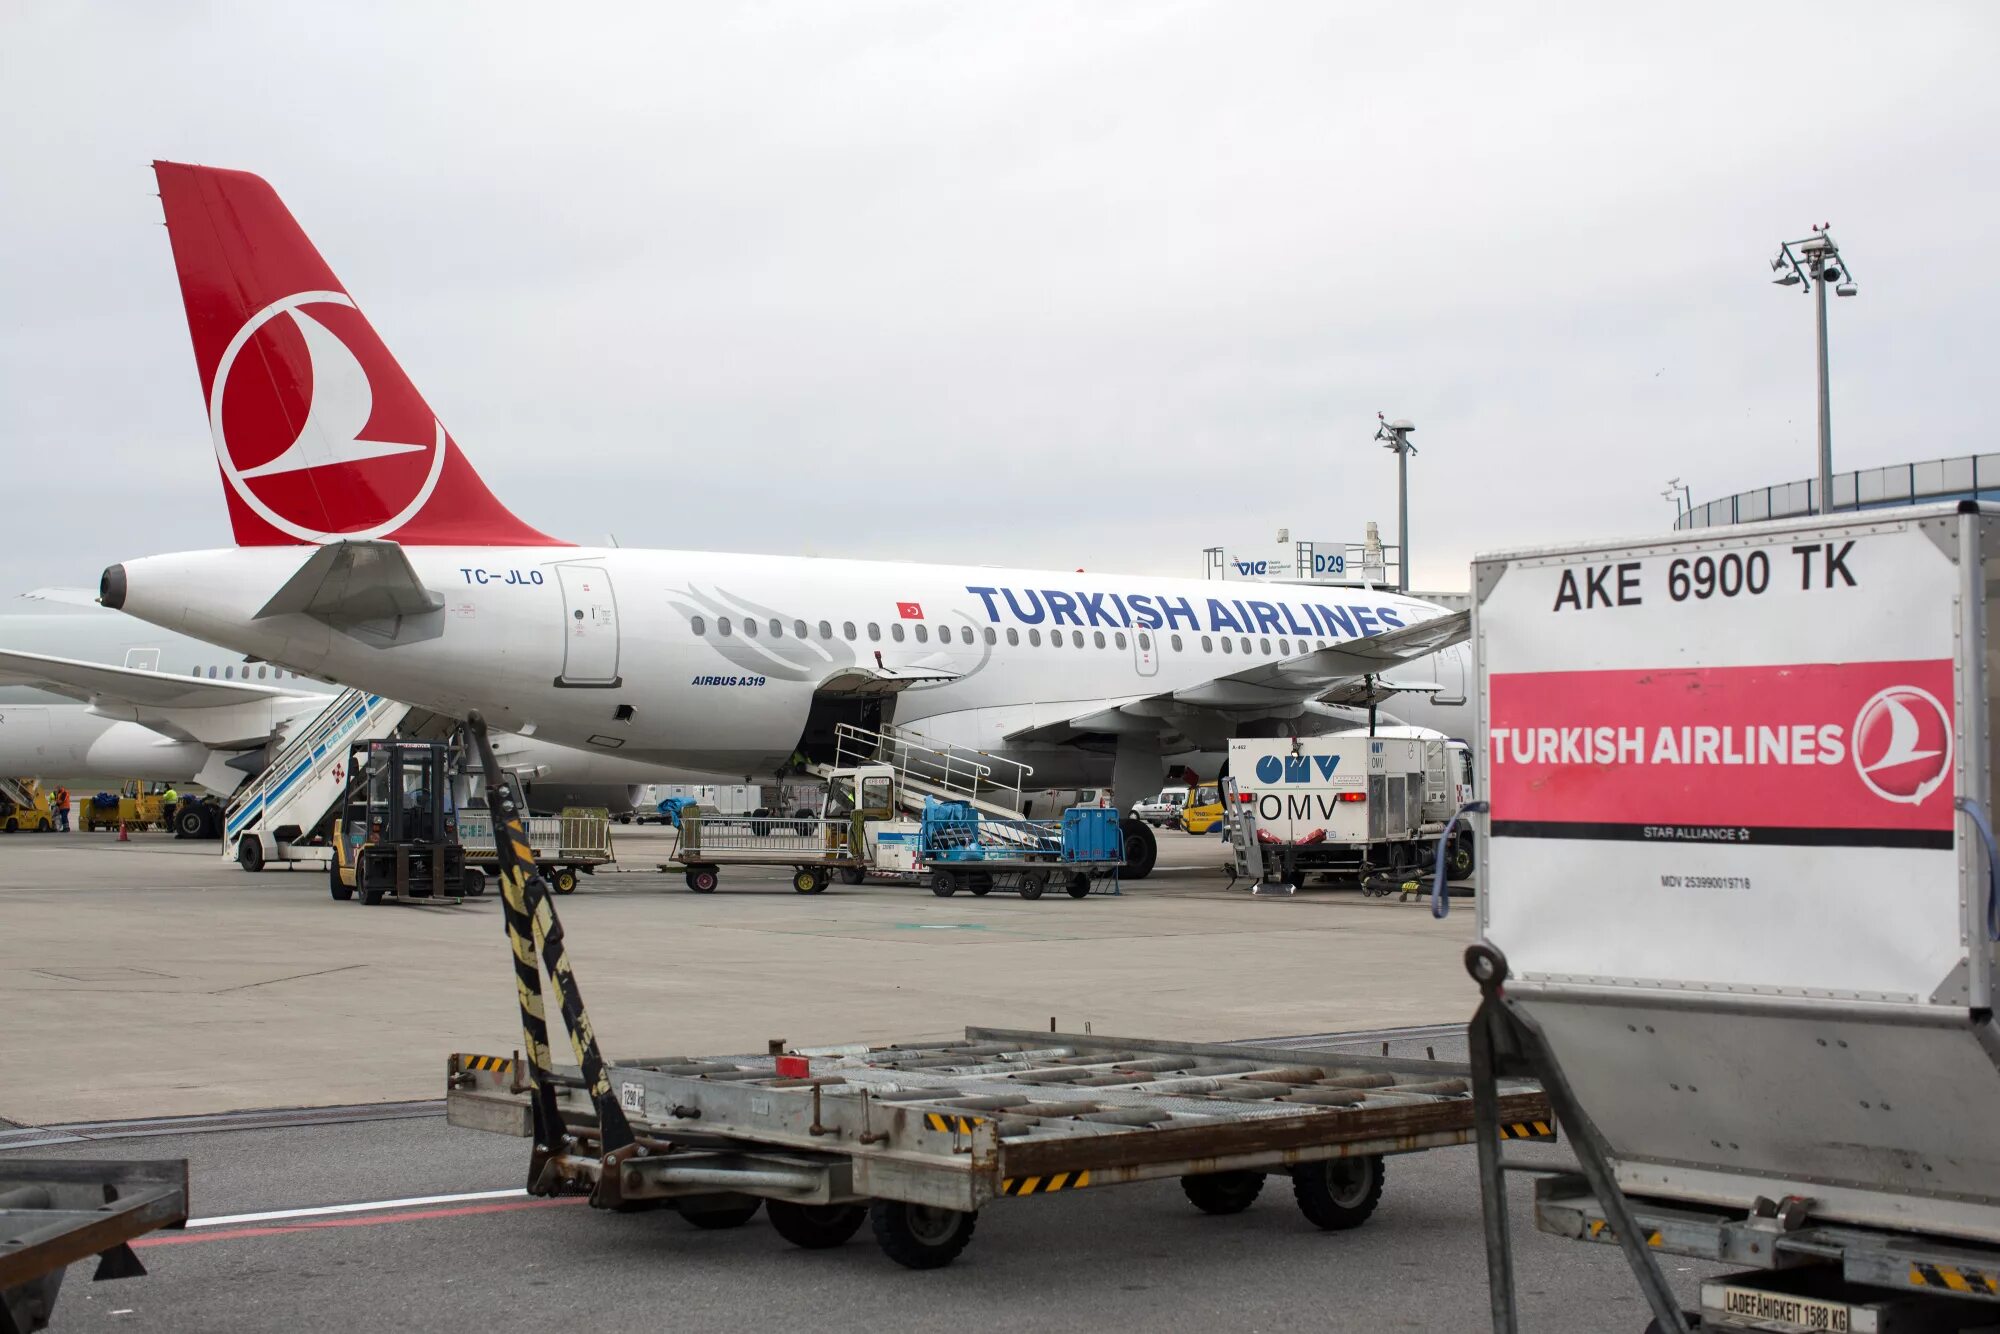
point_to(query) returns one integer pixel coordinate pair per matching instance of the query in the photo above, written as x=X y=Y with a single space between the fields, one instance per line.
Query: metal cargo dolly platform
x=915 y=1139
x=55 y=1212
x=1081 y=851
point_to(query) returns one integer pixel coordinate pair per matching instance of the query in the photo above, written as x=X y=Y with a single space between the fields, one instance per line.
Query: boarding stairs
x=20 y=791
x=924 y=767
x=288 y=801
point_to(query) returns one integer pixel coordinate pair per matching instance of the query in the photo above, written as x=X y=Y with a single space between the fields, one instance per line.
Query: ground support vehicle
x=1740 y=909
x=567 y=845
x=396 y=831
x=1163 y=811
x=1202 y=811
x=131 y=806
x=915 y=1139
x=24 y=806
x=1081 y=853
x=57 y=1211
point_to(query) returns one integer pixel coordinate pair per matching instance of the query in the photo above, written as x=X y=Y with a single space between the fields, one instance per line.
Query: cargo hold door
x=590 y=627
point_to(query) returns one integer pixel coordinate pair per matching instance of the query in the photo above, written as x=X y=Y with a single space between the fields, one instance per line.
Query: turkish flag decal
x=910 y=611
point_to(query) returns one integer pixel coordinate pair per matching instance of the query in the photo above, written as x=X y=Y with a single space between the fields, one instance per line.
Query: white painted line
x=275 y=1215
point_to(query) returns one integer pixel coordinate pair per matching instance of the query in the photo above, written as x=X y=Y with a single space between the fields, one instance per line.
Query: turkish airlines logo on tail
x=316 y=428
x=1902 y=744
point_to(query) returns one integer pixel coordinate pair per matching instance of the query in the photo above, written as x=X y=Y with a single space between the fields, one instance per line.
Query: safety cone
x=123 y=837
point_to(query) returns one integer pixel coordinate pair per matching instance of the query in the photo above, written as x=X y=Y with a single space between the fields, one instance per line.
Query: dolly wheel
x=1033 y=884
x=919 y=1236
x=806 y=880
x=1223 y=1192
x=816 y=1227
x=1079 y=885
x=851 y=875
x=713 y=1213
x=472 y=883
x=980 y=885
x=563 y=880
x=1338 y=1193
x=703 y=879
x=944 y=884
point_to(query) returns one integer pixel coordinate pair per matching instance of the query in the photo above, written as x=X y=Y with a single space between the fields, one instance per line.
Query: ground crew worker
x=168 y=800
x=62 y=810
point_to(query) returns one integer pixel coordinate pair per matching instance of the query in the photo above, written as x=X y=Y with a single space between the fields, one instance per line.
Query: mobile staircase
x=925 y=767
x=20 y=791
x=289 y=801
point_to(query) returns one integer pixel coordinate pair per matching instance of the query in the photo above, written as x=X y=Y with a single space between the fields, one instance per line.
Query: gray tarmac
x=149 y=979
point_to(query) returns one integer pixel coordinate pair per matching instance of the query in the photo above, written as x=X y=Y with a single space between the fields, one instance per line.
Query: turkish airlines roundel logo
x=1902 y=744
x=317 y=429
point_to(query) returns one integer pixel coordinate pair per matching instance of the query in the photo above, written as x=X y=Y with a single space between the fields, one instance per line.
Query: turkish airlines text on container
x=1855 y=754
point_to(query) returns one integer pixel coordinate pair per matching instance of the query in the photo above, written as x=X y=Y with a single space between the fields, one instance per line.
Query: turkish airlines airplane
x=370 y=553
x=94 y=696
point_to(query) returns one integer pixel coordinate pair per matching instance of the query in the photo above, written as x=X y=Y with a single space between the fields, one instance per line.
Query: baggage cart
x=574 y=842
x=1741 y=907
x=1081 y=853
x=915 y=1139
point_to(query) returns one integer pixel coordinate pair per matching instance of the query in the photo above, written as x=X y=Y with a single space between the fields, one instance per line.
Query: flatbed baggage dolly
x=1081 y=852
x=1741 y=911
x=915 y=1139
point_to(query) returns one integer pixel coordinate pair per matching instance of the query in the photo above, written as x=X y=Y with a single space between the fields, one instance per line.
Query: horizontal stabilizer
x=347 y=582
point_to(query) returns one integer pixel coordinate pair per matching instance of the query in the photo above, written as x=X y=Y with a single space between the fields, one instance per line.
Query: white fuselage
x=647 y=653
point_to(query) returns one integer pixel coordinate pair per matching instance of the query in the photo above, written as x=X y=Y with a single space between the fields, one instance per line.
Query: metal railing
x=993 y=840
x=924 y=763
x=1966 y=477
x=796 y=840
x=575 y=835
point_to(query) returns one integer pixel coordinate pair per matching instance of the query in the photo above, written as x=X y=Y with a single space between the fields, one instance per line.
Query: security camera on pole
x=1395 y=435
x=1810 y=265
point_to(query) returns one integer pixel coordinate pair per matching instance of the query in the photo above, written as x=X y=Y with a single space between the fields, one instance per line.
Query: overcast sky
x=1051 y=284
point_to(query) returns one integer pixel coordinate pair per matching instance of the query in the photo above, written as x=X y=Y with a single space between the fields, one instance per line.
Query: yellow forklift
x=395 y=830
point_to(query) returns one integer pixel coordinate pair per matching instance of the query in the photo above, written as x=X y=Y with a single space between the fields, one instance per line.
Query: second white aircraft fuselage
x=711 y=661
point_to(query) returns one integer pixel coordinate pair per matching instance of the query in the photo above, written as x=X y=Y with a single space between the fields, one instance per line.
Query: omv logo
x=1295 y=768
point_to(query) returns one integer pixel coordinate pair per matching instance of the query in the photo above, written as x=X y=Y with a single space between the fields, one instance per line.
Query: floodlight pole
x=1815 y=261
x=1396 y=436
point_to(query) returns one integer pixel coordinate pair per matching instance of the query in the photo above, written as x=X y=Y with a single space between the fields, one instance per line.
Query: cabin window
x=1175 y=640
x=874 y=631
x=1246 y=643
x=991 y=636
x=1263 y=647
x=698 y=625
x=826 y=630
x=1097 y=637
x=896 y=631
x=1013 y=636
x=1229 y=645
x=1076 y=638
x=777 y=628
x=749 y=628
x=847 y=630
x=1119 y=638
x=722 y=626
x=260 y=673
x=1034 y=640
x=1055 y=639
x=1207 y=644
x=1285 y=647
x=923 y=635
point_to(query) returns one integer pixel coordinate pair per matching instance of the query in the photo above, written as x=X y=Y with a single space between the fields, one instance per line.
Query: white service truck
x=1739 y=911
x=1371 y=805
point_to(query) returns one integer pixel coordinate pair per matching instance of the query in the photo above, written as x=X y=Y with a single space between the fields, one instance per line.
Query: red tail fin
x=318 y=432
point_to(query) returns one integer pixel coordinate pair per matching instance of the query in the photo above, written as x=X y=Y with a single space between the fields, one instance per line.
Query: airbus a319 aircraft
x=370 y=553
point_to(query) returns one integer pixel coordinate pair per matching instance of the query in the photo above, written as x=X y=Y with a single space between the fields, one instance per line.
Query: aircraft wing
x=92 y=682
x=1349 y=673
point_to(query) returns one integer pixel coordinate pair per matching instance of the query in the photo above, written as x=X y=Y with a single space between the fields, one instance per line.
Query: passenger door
x=590 y=627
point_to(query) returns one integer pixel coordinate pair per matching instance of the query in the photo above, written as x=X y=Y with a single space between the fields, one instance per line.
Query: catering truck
x=1367 y=804
x=1739 y=910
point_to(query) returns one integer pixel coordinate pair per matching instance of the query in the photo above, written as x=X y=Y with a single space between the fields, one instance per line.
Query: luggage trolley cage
x=915 y=1139
x=1741 y=909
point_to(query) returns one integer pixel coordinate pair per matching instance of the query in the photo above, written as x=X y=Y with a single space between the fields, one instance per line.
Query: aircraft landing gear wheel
x=1338 y=1193
x=944 y=884
x=1142 y=850
x=250 y=853
x=712 y=1213
x=563 y=880
x=188 y=822
x=850 y=875
x=1223 y=1192
x=1078 y=886
x=816 y=1227
x=918 y=1236
x=473 y=883
x=1034 y=884
x=702 y=879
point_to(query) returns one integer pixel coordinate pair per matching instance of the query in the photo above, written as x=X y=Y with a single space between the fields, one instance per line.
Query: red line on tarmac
x=409 y=1216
